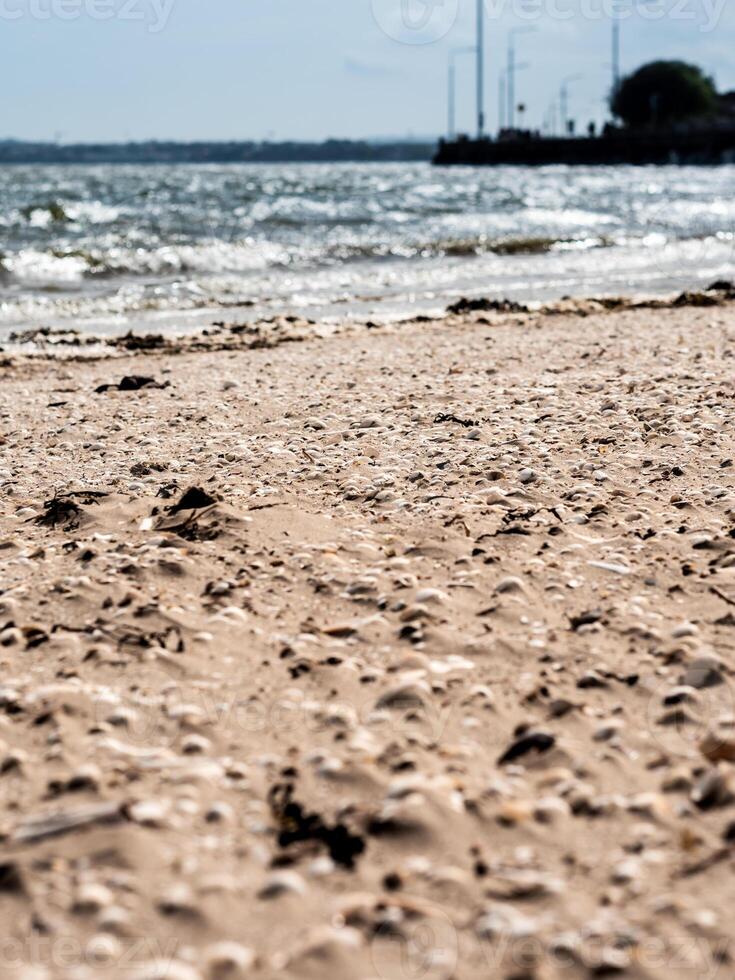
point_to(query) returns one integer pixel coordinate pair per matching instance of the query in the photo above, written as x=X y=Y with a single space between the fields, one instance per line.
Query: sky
x=109 y=70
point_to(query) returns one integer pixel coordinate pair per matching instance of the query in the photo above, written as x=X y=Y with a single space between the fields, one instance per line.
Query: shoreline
x=222 y=335
x=326 y=651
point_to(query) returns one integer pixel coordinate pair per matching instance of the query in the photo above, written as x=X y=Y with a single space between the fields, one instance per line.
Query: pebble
x=713 y=790
x=404 y=696
x=717 y=748
x=92 y=898
x=703 y=672
x=431 y=595
x=150 y=813
x=281 y=883
x=104 y=949
x=227 y=960
x=180 y=901
x=461 y=656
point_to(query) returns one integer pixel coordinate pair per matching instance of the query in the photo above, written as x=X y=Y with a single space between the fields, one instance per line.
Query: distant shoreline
x=170 y=152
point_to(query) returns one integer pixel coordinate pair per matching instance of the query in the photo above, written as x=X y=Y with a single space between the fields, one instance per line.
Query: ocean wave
x=58 y=212
x=67 y=266
x=119 y=239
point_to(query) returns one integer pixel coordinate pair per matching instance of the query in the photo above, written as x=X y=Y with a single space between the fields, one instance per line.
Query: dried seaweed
x=66 y=508
x=295 y=826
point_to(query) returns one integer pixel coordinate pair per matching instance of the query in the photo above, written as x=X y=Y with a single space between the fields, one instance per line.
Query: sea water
x=104 y=247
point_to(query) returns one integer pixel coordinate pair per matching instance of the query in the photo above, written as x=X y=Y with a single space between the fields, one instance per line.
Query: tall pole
x=451 y=128
x=511 y=82
x=512 y=68
x=501 y=101
x=616 y=54
x=564 y=102
x=480 y=68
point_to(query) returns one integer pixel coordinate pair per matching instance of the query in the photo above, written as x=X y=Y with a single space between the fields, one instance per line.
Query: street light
x=502 y=101
x=502 y=89
x=550 y=120
x=564 y=100
x=452 y=93
x=512 y=68
x=616 y=57
x=480 y=68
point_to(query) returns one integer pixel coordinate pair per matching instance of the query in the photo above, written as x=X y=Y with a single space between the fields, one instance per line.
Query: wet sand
x=390 y=653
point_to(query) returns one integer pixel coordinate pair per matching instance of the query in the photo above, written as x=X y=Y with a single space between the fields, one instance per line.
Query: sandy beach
x=378 y=652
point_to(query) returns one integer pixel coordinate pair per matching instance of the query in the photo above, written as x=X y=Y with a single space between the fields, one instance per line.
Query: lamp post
x=452 y=88
x=564 y=100
x=503 y=101
x=616 y=33
x=480 y=68
x=615 y=53
x=512 y=69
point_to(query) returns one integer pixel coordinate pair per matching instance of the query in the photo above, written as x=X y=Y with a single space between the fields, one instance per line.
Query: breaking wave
x=117 y=239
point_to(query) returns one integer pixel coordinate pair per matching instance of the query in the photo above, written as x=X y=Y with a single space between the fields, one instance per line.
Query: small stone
x=227 y=960
x=180 y=902
x=718 y=749
x=195 y=745
x=680 y=695
x=608 y=731
x=325 y=944
x=91 y=898
x=703 y=672
x=712 y=791
x=368 y=422
x=548 y=809
x=431 y=595
x=536 y=742
x=115 y=919
x=103 y=948
x=683 y=630
x=626 y=871
x=8 y=606
x=560 y=707
x=404 y=697
x=219 y=813
x=219 y=588
x=282 y=883
x=150 y=813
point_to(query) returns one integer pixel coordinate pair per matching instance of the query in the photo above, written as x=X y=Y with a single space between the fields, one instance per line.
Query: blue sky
x=236 y=69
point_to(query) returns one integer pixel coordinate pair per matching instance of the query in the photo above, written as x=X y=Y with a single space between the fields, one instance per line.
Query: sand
x=392 y=653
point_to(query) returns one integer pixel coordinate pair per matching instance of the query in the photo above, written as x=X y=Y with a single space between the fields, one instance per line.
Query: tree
x=664 y=92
